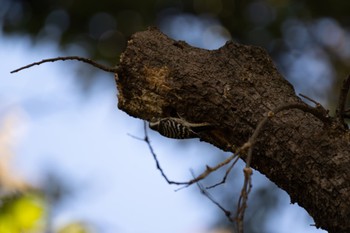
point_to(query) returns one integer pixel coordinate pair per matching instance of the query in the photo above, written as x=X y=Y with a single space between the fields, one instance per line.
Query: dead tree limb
x=231 y=88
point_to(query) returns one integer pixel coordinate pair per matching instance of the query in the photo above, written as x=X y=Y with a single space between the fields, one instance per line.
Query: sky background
x=84 y=139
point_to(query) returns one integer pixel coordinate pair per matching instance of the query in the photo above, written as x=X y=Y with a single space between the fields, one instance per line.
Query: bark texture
x=233 y=88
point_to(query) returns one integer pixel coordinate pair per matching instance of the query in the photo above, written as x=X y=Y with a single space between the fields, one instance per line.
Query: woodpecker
x=177 y=128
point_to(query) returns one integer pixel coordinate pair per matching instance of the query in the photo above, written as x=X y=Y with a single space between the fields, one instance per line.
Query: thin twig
x=209 y=170
x=318 y=106
x=226 y=174
x=202 y=176
x=82 y=59
x=209 y=196
x=135 y=137
x=146 y=139
x=242 y=201
x=311 y=100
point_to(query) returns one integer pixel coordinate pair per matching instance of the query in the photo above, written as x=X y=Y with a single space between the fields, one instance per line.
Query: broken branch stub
x=159 y=77
x=232 y=88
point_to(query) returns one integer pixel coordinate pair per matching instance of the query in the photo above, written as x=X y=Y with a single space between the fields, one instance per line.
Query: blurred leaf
x=77 y=227
x=22 y=213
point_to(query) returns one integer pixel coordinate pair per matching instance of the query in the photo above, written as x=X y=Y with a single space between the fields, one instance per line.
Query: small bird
x=178 y=128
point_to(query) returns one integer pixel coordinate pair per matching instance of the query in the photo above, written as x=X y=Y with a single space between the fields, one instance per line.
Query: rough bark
x=233 y=88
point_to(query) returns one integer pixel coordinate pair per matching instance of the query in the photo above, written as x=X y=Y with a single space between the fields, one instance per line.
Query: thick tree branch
x=232 y=88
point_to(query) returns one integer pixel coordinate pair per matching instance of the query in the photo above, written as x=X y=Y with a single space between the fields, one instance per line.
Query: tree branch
x=232 y=88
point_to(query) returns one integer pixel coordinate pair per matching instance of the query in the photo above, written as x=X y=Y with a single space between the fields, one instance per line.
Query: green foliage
x=22 y=213
x=27 y=213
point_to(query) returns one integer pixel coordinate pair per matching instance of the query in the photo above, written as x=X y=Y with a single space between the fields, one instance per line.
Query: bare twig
x=209 y=170
x=146 y=139
x=82 y=59
x=311 y=100
x=135 y=137
x=210 y=197
x=226 y=174
x=242 y=201
x=202 y=176
x=319 y=109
